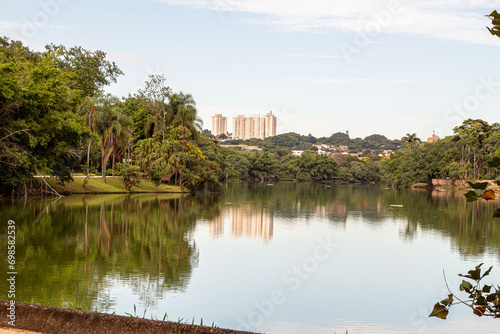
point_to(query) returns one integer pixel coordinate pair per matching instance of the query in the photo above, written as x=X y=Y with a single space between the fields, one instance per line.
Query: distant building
x=219 y=124
x=270 y=124
x=433 y=138
x=254 y=126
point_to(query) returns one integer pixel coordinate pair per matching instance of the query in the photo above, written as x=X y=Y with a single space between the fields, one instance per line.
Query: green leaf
x=471 y=196
x=487 y=288
x=495 y=15
x=491 y=297
x=465 y=286
x=476 y=273
x=486 y=273
x=497 y=181
x=494 y=163
x=478 y=185
x=479 y=192
x=496 y=214
x=448 y=301
x=439 y=311
x=481 y=301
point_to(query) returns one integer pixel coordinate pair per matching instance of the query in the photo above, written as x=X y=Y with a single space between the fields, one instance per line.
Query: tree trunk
x=180 y=179
x=103 y=171
x=88 y=157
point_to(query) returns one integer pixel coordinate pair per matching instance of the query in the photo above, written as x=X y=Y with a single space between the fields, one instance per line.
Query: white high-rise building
x=219 y=124
x=254 y=126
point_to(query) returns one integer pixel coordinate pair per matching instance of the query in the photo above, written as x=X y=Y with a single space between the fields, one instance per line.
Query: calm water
x=287 y=258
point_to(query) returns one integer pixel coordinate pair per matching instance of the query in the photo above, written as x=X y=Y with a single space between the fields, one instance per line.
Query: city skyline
x=255 y=126
x=246 y=127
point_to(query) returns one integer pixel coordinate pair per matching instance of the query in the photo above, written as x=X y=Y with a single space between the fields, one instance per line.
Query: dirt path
x=8 y=330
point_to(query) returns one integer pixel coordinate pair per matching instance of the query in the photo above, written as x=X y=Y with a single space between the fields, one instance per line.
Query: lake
x=282 y=258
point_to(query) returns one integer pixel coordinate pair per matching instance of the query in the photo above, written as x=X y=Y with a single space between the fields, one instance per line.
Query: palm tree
x=87 y=109
x=411 y=140
x=183 y=113
x=113 y=127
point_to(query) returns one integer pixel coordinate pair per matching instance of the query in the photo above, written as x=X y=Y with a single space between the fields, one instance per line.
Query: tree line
x=461 y=156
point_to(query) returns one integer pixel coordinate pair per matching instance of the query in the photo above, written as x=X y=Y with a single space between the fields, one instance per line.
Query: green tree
x=471 y=137
x=153 y=157
x=113 y=127
x=154 y=98
x=411 y=140
x=39 y=129
x=183 y=113
x=90 y=68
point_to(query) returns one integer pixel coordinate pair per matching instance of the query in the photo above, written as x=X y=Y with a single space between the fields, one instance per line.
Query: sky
x=321 y=66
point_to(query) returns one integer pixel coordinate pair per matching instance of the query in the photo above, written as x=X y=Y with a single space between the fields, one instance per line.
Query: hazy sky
x=322 y=66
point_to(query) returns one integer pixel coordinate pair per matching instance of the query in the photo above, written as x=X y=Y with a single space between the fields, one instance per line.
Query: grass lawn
x=113 y=185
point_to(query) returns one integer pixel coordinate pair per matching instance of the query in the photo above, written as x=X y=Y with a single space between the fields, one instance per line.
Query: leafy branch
x=495 y=20
x=481 y=300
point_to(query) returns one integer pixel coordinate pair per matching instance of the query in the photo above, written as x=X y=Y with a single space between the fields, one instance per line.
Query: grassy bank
x=113 y=185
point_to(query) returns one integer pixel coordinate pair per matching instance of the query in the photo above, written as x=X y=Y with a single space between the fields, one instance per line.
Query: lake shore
x=49 y=319
x=96 y=185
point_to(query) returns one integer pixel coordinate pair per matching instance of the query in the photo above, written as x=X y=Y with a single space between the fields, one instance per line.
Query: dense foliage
x=458 y=157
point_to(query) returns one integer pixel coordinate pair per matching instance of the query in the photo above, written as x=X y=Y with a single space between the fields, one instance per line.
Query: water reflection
x=80 y=250
x=469 y=225
x=74 y=250
x=244 y=221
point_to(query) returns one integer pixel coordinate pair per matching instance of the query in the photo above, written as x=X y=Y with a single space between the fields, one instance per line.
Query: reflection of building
x=251 y=222
x=219 y=124
x=248 y=221
x=254 y=126
x=216 y=226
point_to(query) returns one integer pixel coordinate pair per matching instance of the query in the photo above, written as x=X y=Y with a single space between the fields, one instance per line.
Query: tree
x=130 y=176
x=154 y=98
x=112 y=125
x=90 y=69
x=207 y=133
x=262 y=165
x=222 y=136
x=411 y=140
x=183 y=113
x=152 y=156
x=471 y=136
x=39 y=129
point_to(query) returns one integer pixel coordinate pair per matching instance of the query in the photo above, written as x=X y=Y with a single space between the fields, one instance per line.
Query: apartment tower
x=219 y=124
x=254 y=126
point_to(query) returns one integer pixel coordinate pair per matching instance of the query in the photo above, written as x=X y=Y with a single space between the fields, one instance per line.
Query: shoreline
x=96 y=186
x=49 y=319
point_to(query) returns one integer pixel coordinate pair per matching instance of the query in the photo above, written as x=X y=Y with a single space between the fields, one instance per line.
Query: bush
x=131 y=177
